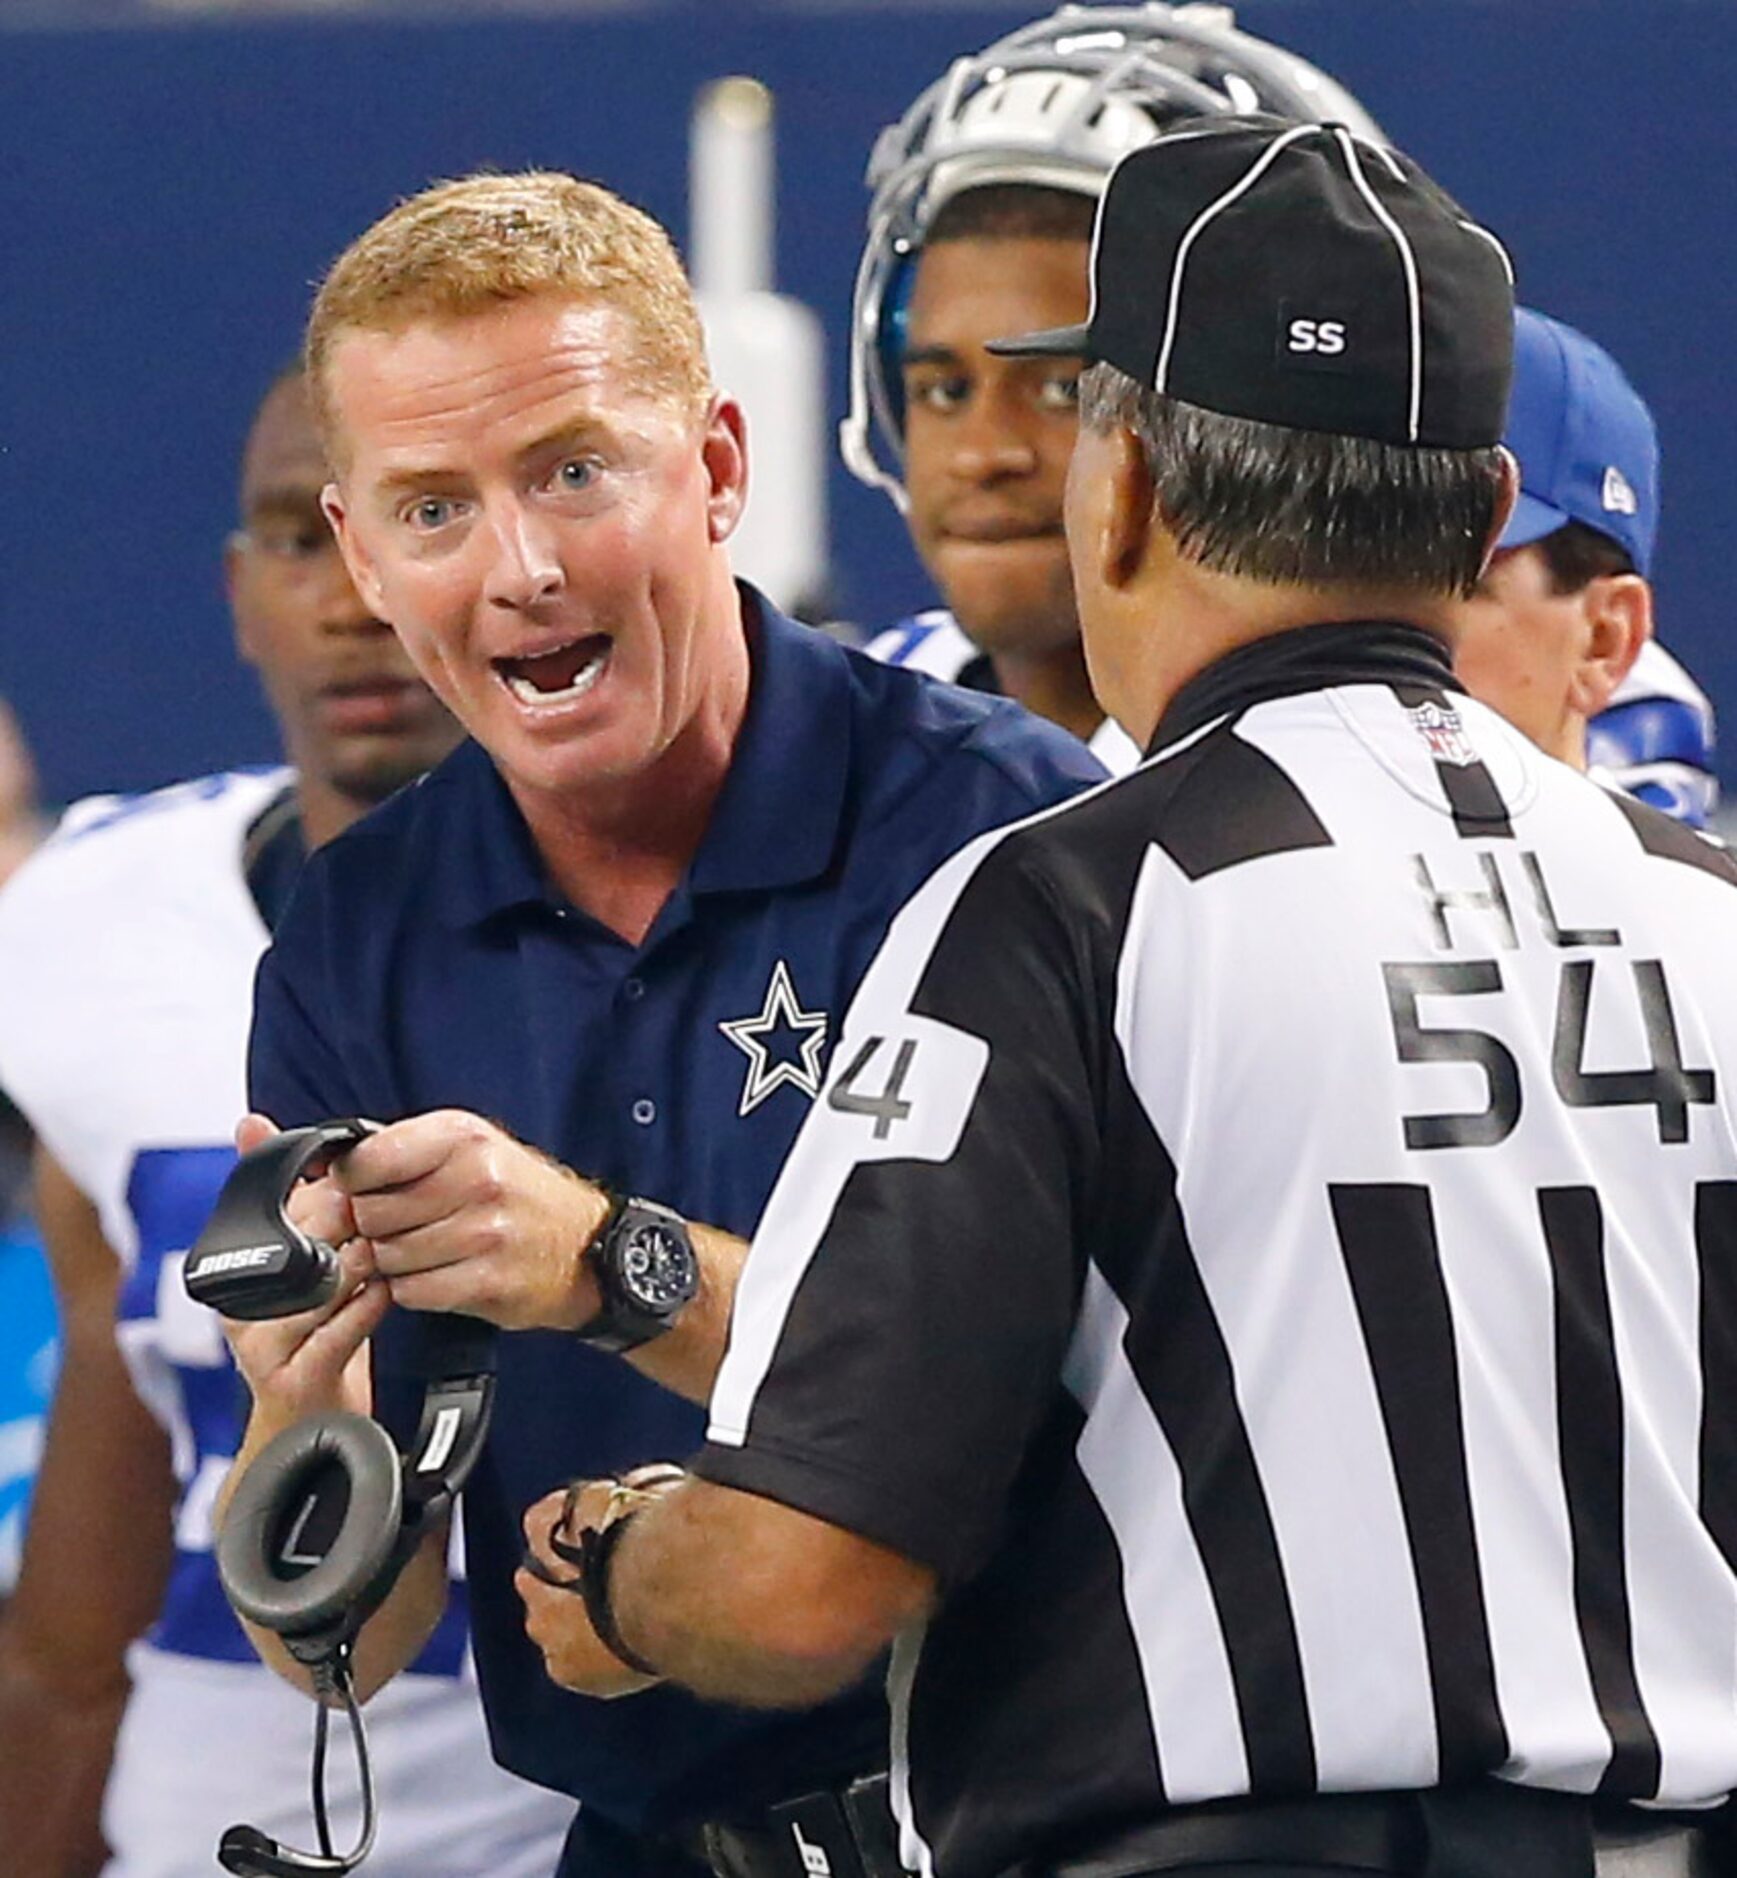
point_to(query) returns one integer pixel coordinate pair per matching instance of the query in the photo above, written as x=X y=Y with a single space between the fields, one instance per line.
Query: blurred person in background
x=127 y=950
x=1559 y=635
x=980 y=225
x=29 y=1346
x=20 y=818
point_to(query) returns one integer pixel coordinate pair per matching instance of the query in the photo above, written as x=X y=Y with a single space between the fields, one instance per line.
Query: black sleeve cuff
x=926 y=1528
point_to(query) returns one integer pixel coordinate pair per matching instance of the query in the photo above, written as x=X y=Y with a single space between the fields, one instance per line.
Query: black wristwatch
x=643 y=1259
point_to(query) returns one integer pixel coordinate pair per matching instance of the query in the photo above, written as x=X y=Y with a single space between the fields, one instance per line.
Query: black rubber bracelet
x=596 y=1550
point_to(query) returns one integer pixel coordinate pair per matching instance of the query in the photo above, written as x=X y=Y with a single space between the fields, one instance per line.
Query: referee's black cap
x=1300 y=276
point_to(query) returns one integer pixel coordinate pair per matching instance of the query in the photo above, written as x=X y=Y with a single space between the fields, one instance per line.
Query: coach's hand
x=460 y=1216
x=317 y=1360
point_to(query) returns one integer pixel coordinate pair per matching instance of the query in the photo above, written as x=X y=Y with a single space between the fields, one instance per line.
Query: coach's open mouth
x=559 y=675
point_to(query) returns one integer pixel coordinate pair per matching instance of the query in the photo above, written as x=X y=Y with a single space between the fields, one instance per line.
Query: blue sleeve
x=1034 y=765
x=1659 y=750
x=993 y=780
x=294 y=1074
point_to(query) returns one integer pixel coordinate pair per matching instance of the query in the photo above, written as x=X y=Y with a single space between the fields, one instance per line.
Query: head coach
x=621 y=922
x=1265 y=1260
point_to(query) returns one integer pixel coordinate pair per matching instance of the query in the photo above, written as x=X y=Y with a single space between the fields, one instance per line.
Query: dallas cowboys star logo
x=782 y=1043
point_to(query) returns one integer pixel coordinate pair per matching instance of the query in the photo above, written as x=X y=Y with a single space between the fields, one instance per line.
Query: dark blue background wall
x=167 y=195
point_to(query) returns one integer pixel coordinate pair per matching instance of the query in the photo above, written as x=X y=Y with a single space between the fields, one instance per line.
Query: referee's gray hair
x=1302 y=507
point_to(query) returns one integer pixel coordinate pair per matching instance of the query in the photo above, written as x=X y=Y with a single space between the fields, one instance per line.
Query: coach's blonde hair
x=463 y=247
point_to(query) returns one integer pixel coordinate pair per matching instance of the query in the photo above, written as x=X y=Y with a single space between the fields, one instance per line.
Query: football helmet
x=1053 y=105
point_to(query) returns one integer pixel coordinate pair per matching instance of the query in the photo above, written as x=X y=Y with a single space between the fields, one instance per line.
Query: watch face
x=657 y=1267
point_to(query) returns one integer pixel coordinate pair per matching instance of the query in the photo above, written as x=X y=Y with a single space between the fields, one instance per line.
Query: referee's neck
x=1147 y=635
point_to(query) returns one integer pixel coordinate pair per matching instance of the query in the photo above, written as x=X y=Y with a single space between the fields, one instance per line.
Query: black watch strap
x=601 y=1330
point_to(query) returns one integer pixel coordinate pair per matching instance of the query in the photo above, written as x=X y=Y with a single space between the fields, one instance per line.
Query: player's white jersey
x=127 y=951
x=935 y=643
x=1654 y=741
x=1655 y=738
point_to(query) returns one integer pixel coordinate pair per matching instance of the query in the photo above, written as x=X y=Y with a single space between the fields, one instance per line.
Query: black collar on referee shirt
x=1307 y=658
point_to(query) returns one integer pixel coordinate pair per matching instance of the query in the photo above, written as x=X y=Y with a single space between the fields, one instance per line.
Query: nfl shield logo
x=1441 y=730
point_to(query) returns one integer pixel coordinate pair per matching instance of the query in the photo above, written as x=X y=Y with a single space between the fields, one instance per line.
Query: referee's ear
x=1125 y=507
x=1506 y=497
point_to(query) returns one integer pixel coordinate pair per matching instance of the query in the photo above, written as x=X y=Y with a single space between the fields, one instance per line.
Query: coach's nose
x=525 y=569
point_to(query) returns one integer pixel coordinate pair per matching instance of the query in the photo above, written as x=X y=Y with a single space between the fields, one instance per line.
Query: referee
x=1255 y=1309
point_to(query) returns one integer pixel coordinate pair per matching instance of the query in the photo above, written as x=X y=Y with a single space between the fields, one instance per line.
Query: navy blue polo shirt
x=425 y=962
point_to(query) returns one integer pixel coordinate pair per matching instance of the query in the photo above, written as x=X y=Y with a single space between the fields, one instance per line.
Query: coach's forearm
x=392 y=1638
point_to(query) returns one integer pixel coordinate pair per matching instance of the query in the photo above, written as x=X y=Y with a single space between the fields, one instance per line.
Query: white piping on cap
x=1472 y=228
x=1413 y=293
x=1386 y=155
x=1250 y=177
x=1092 y=258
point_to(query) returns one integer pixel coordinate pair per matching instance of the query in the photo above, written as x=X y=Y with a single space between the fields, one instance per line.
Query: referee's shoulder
x=1669 y=838
x=1069 y=866
x=1210 y=803
x=1197 y=781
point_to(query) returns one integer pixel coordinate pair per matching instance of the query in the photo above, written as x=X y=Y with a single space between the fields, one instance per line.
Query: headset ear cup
x=266 y=1500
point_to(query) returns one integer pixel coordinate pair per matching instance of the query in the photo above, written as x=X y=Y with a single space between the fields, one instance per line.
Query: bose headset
x=329 y=1512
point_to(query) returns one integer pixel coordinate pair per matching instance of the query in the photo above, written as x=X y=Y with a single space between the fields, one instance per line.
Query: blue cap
x=1587 y=446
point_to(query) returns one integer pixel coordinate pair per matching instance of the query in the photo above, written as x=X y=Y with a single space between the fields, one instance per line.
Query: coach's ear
x=724 y=449
x=1506 y=497
x=363 y=574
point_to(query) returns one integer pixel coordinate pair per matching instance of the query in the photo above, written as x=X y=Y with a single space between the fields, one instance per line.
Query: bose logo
x=1327 y=337
x=214 y=1263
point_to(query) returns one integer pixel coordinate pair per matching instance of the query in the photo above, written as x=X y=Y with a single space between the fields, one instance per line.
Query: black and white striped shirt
x=1269 y=1241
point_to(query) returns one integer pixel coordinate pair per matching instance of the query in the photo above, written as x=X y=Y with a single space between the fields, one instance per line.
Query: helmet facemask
x=1054 y=105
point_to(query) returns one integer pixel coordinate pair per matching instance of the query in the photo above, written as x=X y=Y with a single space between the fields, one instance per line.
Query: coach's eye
x=575 y=472
x=1060 y=393
x=427 y=514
